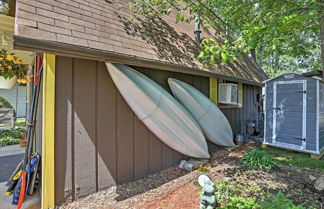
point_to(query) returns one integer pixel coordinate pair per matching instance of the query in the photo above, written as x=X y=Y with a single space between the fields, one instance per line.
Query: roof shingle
x=107 y=26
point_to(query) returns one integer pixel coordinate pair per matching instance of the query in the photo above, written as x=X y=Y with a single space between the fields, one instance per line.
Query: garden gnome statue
x=207 y=199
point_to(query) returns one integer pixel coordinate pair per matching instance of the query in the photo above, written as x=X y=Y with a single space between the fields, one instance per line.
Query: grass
x=295 y=158
x=21 y=122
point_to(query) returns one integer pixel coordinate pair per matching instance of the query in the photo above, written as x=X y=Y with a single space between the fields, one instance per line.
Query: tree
x=280 y=34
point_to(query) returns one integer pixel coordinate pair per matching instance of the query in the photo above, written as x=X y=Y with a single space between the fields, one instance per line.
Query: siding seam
x=73 y=130
x=96 y=128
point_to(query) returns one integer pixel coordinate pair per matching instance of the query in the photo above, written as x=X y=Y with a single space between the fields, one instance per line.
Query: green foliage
x=21 y=122
x=8 y=141
x=229 y=196
x=203 y=170
x=282 y=36
x=279 y=201
x=295 y=158
x=15 y=133
x=240 y=203
x=4 y=103
x=223 y=191
x=258 y=159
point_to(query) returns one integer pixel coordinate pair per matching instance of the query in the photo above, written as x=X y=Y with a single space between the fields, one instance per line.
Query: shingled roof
x=103 y=29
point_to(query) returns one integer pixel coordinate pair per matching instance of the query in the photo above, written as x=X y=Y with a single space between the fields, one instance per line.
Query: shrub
x=240 y=203
x=4 y=103
x=15 y=133
x=258 y=159
x=279 y=201
x=8 y=141
x=223 y=191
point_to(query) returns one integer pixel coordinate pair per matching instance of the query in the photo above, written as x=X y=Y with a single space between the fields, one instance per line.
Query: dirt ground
x=177 y=189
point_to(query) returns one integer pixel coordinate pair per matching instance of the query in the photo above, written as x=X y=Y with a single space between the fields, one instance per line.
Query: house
x=91 y=138
x=17 y=96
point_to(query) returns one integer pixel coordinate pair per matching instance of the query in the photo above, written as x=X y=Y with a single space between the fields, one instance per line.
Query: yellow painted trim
x=240 y=94
x=48 y=183
x=213 y=89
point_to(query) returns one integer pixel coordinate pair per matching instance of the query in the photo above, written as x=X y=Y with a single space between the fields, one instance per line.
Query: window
x=226 y=94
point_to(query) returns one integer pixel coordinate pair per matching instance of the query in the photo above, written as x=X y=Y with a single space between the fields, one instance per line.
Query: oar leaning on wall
x=31 y=160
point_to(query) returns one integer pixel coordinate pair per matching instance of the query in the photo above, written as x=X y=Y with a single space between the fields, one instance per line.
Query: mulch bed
x=176 y=189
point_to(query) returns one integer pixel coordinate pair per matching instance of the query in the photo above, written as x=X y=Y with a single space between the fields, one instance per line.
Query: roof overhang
x=309 y=75
x=63 y=49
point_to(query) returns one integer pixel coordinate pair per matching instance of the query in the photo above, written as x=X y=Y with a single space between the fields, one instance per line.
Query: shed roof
x=102 y=29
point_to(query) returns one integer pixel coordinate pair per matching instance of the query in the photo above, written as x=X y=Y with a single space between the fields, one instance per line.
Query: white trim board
x=317 y=113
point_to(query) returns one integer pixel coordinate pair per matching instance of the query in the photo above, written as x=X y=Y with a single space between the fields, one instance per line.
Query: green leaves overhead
x=277 y=30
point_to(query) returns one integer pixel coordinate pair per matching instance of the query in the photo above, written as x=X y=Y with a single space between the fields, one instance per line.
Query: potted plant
x=12 y=70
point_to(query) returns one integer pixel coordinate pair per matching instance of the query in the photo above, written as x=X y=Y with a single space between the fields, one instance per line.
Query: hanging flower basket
x=12 y=70
x=8 y=83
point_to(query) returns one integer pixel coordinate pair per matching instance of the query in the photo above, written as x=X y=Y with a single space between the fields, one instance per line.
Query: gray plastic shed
x=294 y=113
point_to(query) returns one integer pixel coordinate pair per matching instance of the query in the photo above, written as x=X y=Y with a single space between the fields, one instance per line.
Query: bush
x=223 y=191
x=15 y=133
x=240 y=203
x=279 y=201
x=4 y=103
x=258 y=159
x=8 y=141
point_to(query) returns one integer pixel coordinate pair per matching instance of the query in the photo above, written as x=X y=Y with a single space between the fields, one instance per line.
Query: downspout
x=197 y=29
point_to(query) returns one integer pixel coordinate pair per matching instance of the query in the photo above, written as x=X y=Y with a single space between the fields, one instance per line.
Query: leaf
x=224 y=57
x=180 y=17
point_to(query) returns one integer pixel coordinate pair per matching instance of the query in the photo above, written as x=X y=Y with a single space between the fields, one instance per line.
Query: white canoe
x=159 y=111
x=210 y=118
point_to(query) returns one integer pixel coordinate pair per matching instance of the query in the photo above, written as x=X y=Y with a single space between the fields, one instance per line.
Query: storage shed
x=294 y=112
x=91 y=137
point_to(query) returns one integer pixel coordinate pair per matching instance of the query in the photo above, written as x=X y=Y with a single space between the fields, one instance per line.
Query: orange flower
x=9 y=67
x=10 y=57
x=18 y=62
x=24 y=79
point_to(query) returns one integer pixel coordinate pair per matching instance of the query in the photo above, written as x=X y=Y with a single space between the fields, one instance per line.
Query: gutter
x=69 y=50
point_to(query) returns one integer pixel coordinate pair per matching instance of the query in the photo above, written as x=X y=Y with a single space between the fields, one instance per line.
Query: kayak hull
x=159 y=111
x=210 y=118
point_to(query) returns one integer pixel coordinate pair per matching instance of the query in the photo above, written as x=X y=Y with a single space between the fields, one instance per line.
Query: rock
x=190 y=165
x=319 y=183
x=312 y=178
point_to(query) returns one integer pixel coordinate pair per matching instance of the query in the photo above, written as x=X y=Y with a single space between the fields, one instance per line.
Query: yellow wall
x=213 y=89
x=240 y=95
x=48 y=199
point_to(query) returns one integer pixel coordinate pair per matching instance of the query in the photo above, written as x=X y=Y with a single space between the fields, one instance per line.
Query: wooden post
x=213 y=86
x=48 y=184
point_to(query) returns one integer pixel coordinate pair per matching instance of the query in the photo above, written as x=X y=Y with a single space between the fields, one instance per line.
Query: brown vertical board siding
x=141 y=149
x=99 y=140
x=155 y=147
x=106 y=128
x=84 y=130
x=125 y=140
x=63 y=130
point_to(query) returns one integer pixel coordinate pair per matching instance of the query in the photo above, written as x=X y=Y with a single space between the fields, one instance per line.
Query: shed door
x=289 y=113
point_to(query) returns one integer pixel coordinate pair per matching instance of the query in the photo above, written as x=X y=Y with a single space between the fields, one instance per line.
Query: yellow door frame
x=48 y=146
x=240 y=95
x=213 y=90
